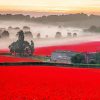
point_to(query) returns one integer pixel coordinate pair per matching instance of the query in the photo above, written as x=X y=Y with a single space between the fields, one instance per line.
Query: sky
x=51 y=6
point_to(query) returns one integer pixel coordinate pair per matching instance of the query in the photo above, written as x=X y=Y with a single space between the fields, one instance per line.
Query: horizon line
x=47 y=13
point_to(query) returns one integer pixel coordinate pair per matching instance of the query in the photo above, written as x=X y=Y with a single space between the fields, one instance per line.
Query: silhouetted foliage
x=26 y=28
x=5 y=34
x=38 y=35
x=17 y=28
x=58 y=35
x=69 y=34
x=97 y=57
x=92 y=62
x=78 y=58
x=49 y=18
x=93 y=28
x=74 y=34
x=28 y=34
x=22 y=47
x=79 y=19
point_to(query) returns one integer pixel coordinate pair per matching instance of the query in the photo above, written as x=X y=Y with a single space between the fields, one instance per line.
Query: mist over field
x=47 y=33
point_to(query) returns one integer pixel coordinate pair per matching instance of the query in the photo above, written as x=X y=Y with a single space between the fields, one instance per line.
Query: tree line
x=49 y=18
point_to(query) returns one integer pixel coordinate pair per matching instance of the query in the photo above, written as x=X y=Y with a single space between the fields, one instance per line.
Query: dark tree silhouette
x=74 y=34
x=5 y=34
x=97 y=57
x=93 y=61
x=58 y=35
x=38 y=35
x=26 y=28
x=22 y=47
x=78 y=58
x=28 y=34
x=69 y=34
x=10 y=27
x=17 y=28
x=93 y=28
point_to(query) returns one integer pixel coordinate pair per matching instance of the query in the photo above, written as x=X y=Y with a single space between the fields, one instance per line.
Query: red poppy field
x=50 y=83
x=82 y=47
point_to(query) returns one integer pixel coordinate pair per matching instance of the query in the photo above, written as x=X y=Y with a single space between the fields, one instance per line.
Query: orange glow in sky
x=65 y=6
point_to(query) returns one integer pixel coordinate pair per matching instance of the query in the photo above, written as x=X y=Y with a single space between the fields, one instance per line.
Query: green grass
x=87 y=65
x=41 y=58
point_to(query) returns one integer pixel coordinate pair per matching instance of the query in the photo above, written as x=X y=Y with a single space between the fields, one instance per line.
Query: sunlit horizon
x=48 y=6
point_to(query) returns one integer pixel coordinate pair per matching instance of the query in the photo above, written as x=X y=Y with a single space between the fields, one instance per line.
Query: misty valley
x=44 y=34
x=39 y=33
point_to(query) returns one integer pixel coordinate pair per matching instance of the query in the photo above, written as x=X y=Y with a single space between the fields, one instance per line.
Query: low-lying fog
x=47 y=30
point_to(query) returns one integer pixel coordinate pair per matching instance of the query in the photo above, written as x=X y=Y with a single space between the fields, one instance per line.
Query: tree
x=58 y=35
x=92 y=61
x=97 y=57
x=74 y=34
x=38 y=35
x=28 y=34
x=69 y=34
x=93 y=28
x=26 y=28
x=5 y=34
x=78 y=58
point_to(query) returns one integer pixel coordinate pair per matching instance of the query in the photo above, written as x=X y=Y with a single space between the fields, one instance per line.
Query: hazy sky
x=65 y=6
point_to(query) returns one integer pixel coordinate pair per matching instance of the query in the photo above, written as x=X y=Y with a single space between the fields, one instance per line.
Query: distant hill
x=79 y=19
